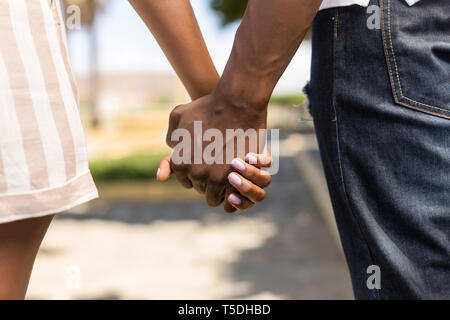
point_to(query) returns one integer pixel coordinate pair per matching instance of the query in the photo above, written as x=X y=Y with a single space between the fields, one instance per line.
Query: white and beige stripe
x=43 y=159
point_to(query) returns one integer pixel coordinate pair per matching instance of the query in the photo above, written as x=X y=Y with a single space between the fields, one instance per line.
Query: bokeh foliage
x=132 y=167
x=229 y=10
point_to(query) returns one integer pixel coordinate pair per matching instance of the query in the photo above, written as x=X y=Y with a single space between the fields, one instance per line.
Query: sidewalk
x=166 y=249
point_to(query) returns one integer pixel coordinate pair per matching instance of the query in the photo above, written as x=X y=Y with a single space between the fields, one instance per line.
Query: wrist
x=244 y=86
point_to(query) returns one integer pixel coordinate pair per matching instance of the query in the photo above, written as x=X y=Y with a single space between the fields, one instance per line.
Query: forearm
x=174 y=26
x=265 y=43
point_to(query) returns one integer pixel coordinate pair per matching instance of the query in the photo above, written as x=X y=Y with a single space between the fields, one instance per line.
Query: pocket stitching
x=396 y=69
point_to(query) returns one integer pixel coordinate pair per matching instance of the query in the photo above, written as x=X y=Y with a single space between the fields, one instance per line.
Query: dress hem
x=49 y=201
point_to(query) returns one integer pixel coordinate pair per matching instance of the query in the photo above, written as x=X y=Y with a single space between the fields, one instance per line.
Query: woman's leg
x=19 y=244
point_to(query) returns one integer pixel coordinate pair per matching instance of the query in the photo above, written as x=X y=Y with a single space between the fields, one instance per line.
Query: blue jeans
x=380 y=99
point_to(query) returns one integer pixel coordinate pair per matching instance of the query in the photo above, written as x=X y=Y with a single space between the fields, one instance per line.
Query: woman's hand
x=248 y=182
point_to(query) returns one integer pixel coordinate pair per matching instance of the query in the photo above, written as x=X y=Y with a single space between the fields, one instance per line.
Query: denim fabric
x=380 y=100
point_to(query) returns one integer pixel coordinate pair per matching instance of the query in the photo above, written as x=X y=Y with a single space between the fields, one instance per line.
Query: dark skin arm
x=173 y=24
x=265 y=43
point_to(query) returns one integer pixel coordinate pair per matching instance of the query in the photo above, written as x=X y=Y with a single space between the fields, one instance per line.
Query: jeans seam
x=339 y=156
x=389 y=64
x=347 y=199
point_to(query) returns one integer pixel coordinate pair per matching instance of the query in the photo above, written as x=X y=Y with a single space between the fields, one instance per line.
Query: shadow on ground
x=300 y=261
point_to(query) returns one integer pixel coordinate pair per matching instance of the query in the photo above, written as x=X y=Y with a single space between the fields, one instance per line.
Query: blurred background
x=149 y=240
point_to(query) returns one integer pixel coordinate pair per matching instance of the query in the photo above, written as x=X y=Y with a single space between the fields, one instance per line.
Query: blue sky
x=126 y=45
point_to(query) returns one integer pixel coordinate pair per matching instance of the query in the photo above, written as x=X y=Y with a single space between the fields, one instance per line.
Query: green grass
x=133 y=167
x=291 y=99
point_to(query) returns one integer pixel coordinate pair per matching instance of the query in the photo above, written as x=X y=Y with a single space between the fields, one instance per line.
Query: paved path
x=147 y=250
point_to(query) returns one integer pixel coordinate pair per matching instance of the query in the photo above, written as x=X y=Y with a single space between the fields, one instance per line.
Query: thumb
x=164 y=170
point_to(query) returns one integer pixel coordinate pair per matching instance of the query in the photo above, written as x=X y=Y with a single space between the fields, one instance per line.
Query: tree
x=233 y=10
x=229 y=10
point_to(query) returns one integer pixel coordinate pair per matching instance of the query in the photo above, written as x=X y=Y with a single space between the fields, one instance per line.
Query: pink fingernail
x=238 y=164
x=250 y=158
x=234 y=179
x=157 y=172
x=234 y=199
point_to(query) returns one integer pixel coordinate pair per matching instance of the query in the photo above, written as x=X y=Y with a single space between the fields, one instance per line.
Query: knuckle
x=179 y=168
x=216 y=179
x=184 y=183
x=169 y=141
x=198 y=174
x=200 y=189
x=213 y=201
x=246 y=187
x=174 y=119
x=252 y=172
x=176 y=113
x=182 y=180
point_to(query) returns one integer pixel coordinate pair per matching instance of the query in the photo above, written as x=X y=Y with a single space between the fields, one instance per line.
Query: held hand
x=213 y=112
x=247 y=193
x=248 y=182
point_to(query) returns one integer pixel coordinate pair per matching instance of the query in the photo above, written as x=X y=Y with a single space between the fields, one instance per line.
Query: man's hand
x=265 y=42
x=215 y=112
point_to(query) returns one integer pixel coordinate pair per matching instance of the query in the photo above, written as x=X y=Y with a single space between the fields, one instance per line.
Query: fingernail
x=250 y=158
x=234 y=199
x=238 y=164
x=157 y=172
x=234 y=179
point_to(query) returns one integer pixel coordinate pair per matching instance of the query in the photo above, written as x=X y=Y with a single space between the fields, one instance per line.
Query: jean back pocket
x=416 y=42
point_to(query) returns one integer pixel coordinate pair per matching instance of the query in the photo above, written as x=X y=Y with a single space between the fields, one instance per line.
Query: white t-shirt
x=343 y=3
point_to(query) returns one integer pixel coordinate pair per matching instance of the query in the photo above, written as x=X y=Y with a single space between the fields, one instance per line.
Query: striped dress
x=43 y=160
